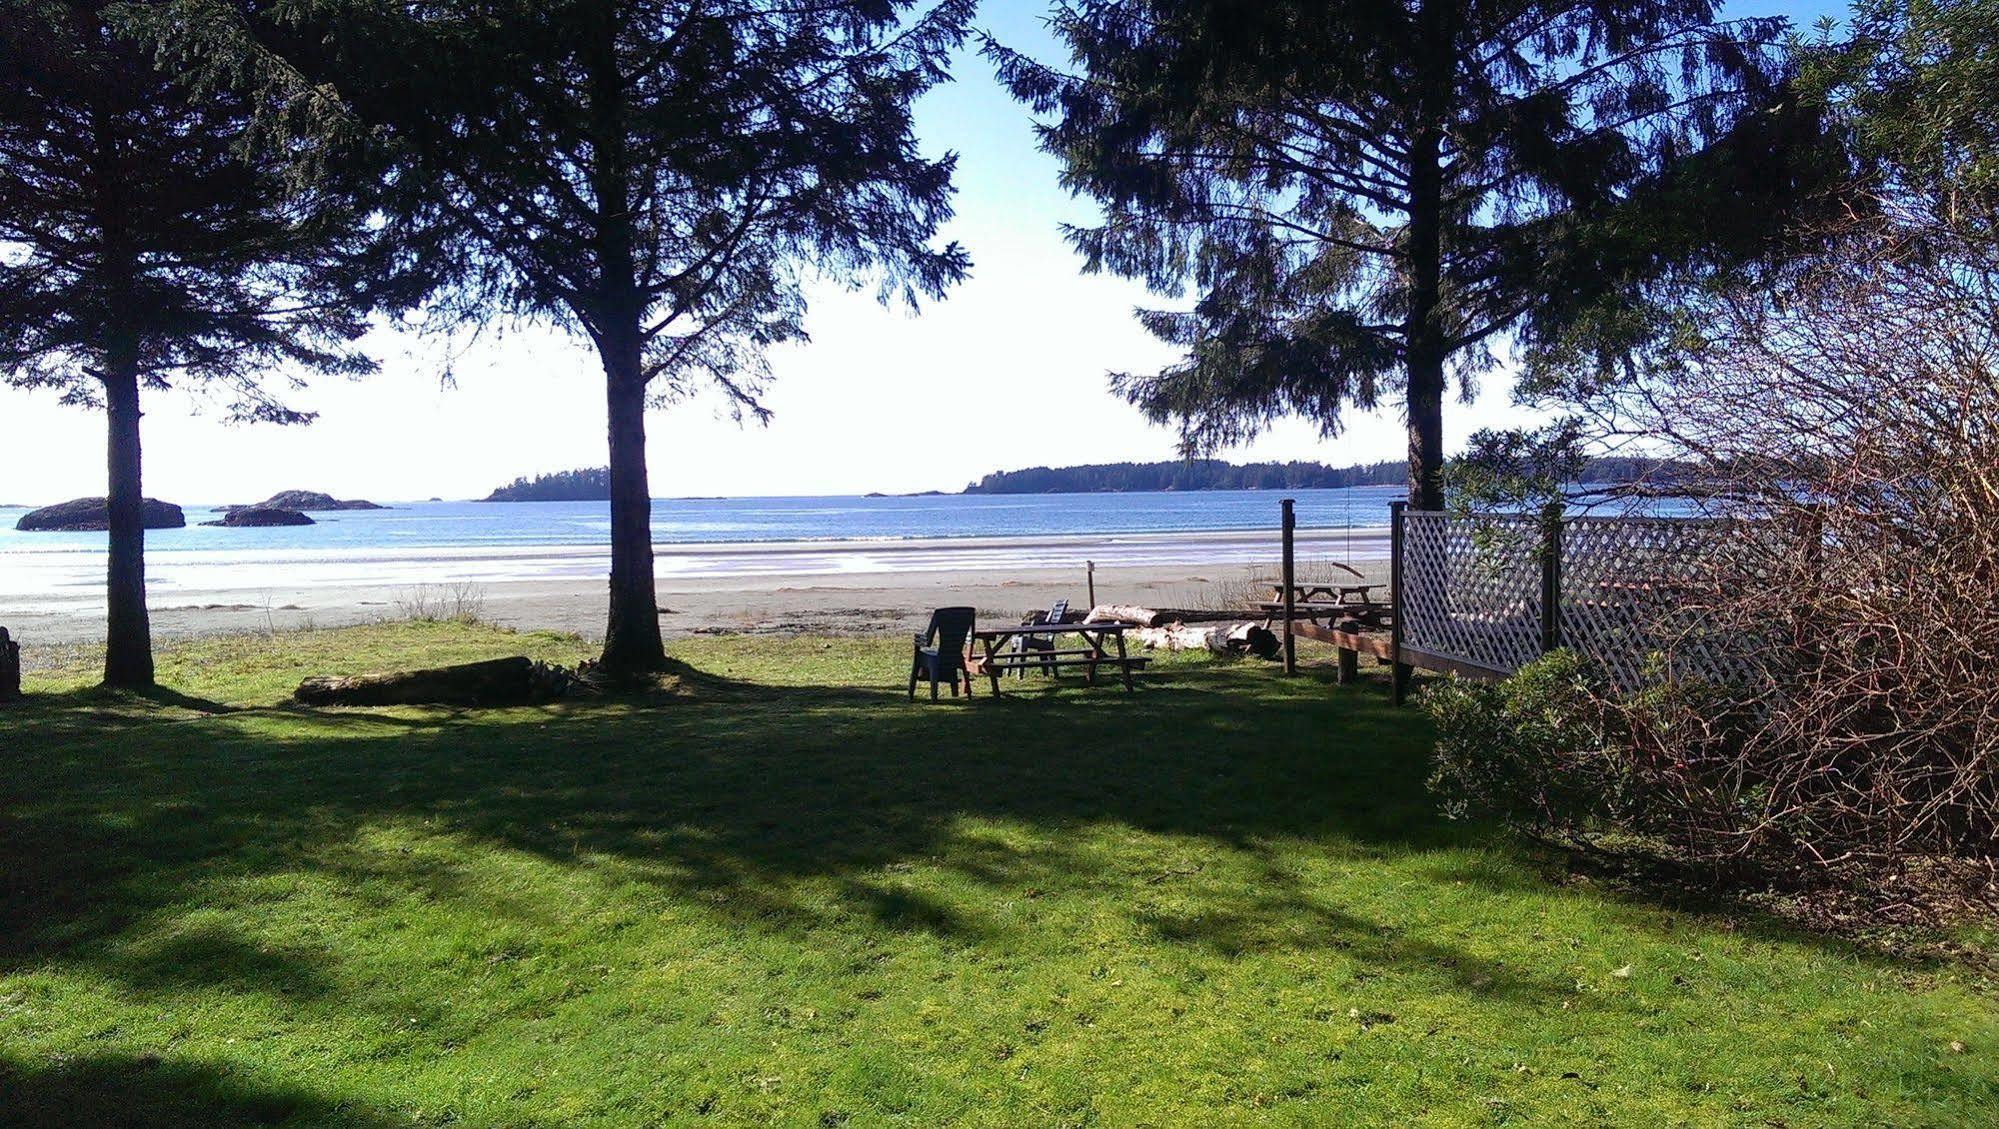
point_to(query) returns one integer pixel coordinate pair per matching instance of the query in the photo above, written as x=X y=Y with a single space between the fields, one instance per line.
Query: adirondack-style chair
x=10 y=668
x=1026 y=644
x=939 y=653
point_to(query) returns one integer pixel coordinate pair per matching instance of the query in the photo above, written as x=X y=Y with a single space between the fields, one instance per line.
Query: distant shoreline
x=47 y=581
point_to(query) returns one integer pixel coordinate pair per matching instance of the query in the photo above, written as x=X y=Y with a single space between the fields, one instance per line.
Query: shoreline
x=57 y=579
x=797 y=602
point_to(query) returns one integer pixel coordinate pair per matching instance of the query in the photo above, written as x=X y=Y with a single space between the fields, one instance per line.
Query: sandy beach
x=848 y=601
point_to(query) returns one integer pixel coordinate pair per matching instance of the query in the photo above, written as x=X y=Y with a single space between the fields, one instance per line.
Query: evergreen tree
x=657 y=176
x=143 y=252
x=1368 y=198
x=1917 y=85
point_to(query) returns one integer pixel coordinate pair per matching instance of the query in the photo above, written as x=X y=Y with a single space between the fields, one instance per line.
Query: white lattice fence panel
x=1471 y=587
x=1633 y=592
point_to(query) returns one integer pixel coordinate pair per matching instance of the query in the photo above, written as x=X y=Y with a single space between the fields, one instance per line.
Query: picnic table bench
x=1092 y=651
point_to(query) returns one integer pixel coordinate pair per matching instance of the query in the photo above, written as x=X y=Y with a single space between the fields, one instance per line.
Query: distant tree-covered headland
x=1185 y=474
x=588 y=484
x=1214 y=474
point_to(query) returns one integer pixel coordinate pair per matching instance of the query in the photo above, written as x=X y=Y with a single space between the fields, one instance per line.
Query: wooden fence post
x=1290 y=582
x=1551 y=577
x=1399 y=671
x=1349 y=658
x=10 y=668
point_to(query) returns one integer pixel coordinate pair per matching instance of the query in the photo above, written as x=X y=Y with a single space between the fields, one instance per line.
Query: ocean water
x=426 y=542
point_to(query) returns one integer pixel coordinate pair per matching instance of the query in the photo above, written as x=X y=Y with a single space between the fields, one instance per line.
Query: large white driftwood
x=1220 y=638
x=1138 y=616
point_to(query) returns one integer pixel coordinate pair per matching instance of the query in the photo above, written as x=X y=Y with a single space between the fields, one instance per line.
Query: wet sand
x=812 y=603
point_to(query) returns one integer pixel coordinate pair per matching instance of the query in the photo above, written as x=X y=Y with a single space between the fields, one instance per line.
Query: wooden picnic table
x=1369 y=613
x=1304 y=593
x=1093 y=651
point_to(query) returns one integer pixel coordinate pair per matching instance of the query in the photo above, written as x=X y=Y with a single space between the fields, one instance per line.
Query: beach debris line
x=1220 y=638
x=1188 y=629
x=1138 y=616
x=495 y=682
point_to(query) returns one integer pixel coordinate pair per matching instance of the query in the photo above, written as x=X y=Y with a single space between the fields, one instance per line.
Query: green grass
x=782 y=894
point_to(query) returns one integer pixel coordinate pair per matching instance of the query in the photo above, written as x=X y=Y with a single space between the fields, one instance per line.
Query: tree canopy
x=661 y=177
x=1368 y=199
x=144 y=249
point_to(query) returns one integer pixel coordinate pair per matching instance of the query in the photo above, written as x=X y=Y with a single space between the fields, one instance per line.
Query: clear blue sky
x=879 y=400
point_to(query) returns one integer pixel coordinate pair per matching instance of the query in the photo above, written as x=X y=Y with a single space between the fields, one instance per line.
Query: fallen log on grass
x=1220 y=639
x=495 y=682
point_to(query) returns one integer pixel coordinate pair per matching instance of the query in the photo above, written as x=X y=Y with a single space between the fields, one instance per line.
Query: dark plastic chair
x=1024 y=645
x=939 y=654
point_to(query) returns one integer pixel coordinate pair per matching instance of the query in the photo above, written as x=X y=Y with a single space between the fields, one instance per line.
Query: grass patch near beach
x=778 y=892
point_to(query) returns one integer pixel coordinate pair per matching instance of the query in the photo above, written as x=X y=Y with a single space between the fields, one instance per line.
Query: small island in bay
x=588 y=484
x=303 y=501
x=83 y=515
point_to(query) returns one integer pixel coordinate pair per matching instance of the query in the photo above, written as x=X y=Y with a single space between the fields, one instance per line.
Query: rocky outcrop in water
x=249 y=517
x=86 y=514
x=304 y=501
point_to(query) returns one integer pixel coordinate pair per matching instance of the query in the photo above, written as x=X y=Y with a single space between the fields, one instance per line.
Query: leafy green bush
x=1531 y=751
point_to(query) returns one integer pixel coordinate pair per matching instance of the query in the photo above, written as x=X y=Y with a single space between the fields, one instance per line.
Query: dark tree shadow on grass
x=145 y=1092
x=727 y=794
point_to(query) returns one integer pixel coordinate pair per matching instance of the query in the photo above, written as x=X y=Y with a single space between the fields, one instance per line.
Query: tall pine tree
x=659 y=177
x=142 y=251
x=1370 y=198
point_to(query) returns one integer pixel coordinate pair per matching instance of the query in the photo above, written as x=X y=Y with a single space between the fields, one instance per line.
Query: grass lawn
x=783 y=894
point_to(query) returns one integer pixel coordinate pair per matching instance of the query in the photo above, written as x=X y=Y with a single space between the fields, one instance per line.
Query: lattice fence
x=1471 y=588
x=1630 y=593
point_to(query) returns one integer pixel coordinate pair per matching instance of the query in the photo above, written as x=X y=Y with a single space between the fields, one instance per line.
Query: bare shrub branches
x=1849 y=415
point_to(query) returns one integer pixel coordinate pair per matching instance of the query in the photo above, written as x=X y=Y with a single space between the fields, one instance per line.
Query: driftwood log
x=1220 y=638
x=10 y=668
x=1138 y=616
x=496 y=682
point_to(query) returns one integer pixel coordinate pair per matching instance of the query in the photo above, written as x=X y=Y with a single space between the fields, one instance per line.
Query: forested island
x=1215 y=474
x=593 y=484
x=587 y=484
x=1186 y=474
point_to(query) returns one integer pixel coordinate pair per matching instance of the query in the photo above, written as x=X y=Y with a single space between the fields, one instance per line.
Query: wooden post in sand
x=1092 y=566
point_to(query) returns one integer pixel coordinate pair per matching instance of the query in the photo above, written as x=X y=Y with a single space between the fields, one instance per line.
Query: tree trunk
x=128 y=648
x=1424 y=342
x=1424 y=358
x=631 y=638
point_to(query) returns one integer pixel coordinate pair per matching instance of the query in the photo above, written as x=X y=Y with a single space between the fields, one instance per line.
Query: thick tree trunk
x=1424 y=358
x=128 y=649
x=1424 y=333
x=631 y=638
